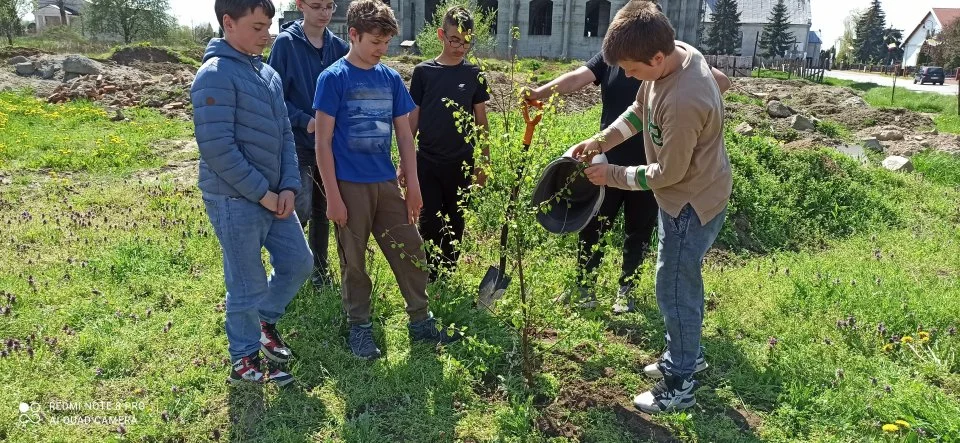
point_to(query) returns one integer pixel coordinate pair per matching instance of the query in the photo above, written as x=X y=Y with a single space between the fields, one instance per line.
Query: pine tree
x=869 y=45
x=776 y=39
x=724 y=36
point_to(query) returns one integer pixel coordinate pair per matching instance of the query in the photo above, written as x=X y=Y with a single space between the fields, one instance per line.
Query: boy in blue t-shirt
x=302 y=50
x=359 y=102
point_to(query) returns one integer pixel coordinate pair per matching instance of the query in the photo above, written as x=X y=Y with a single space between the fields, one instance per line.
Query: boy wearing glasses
x=445 y=157
x=302 y=50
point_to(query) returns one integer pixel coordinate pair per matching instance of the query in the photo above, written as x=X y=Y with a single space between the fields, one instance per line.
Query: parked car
x=929 y=74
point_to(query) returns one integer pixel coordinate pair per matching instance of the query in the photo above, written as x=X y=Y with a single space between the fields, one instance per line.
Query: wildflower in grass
x=906 y=339
x=923 y=336
x=888 y=347
x=903 y=424
x=890 y=427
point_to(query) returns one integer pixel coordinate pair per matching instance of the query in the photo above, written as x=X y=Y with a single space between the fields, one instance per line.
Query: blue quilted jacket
x=241 y=125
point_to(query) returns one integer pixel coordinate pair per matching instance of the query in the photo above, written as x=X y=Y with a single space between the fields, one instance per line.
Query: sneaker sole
x=272 y=356
x=656 y=375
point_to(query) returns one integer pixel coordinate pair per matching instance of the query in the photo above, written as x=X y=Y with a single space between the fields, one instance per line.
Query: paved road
x=904 y=82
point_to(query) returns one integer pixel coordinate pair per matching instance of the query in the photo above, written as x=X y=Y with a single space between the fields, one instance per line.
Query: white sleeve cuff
x=632 y=178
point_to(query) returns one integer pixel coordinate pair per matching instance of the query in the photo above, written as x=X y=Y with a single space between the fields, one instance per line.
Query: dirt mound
x=13 y=51
x=144 y=54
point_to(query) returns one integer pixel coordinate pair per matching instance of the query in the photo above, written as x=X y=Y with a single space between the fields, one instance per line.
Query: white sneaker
x=667 y=396
x=653 y=369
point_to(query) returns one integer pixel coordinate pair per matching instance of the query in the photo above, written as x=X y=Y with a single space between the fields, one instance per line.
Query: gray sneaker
x=426 y=330
x=361 y=342
x=667 y=395
x=625 y=301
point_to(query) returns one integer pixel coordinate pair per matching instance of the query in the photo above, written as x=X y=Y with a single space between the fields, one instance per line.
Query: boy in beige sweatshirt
x=680 y=112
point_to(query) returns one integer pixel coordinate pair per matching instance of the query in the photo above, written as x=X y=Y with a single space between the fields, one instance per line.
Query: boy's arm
x=480 y=116
x=723 y=82
x=565 y=84
x=336 y=210
x=214 y=107
x=279 y=55
x=414 y=121
x=408 y=162
x=289 y=166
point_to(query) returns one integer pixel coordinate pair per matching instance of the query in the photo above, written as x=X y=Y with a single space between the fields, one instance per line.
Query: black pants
x=443 y=186
x=311 y=205
x=639 y=218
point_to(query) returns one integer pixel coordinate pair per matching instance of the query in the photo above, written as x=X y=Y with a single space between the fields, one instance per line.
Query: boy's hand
x=312 y=126
x=529 y=94
x=285 y=204
x=598 y=174
x=585 y=150
x=414 y=204
x=337 y=211
x=269 y=201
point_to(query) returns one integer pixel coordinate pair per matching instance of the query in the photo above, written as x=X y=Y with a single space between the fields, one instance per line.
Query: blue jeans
x=244 y=228
x=682 y=246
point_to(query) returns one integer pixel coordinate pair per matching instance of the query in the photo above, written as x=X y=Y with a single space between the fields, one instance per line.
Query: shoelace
x=660 y=388
x=273 y=335
x=365 y=338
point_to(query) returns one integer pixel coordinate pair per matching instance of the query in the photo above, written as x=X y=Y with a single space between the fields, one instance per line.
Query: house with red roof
x=931 y=25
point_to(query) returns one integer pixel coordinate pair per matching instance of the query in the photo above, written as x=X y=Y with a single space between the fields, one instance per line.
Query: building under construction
x=548 y=28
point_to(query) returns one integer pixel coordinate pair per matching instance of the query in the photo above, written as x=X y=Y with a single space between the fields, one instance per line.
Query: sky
x=828 y=15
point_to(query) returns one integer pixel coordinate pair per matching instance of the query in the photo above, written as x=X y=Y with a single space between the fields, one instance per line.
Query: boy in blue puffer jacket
x=249 y=179
x=302 y=50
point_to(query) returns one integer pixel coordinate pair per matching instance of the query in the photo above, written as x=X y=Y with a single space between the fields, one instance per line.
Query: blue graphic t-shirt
x=364 y=103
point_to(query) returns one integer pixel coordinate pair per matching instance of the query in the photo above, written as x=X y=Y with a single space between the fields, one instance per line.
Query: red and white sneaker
x=272 y=345
x=246 y=369
x=277 y=375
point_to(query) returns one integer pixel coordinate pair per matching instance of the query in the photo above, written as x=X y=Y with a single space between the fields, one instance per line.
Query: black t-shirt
x=439 y=140
x=617 y=93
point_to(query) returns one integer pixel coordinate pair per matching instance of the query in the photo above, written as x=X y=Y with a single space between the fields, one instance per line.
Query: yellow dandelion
x=888 y=347
x=924 y=336
x=890 y=427
x=906 y=339
x=903 y=424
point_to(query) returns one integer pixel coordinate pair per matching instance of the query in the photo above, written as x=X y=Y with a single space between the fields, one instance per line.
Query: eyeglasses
x=459 y=44
x=329 y=10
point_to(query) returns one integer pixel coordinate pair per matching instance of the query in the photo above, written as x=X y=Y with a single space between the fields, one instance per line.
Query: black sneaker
x=625 y=302
x=426 y=331
x=272 y=345
x=669 y=394
x=321 y=278
x=277 y=374
x=246 y=369
x=361 y=342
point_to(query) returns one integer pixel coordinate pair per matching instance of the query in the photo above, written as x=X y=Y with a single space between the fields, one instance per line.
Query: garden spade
x=495 y=281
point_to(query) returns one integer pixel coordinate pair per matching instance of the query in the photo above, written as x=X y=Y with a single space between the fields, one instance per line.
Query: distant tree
x=203 y=33
x=11 y=11
x=131 y=19
x=949 y=39
x=845 y=48
x=869 y=45
x=892 y=36
x=776 y=38
x=724 y=35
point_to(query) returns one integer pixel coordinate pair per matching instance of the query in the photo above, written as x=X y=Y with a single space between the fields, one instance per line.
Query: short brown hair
x=457 y=17
x=372 y=17
x=638 y=32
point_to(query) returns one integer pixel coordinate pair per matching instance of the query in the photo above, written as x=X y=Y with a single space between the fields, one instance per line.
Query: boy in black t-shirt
x=617 y=92
x=443 y=153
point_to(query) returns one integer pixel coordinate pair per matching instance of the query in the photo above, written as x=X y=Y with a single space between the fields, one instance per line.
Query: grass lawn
x=943 y=106
x=832 y=308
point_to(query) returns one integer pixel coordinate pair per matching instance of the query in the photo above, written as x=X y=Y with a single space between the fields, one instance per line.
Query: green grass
x=119 y=265
x=940 y=167
x=944 y=106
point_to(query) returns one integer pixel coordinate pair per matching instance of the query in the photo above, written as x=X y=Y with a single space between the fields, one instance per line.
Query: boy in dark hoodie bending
x=302 y=50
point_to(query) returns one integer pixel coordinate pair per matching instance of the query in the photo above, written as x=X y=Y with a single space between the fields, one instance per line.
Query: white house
x=48 y=13
x=933 y=22
x=756 y=13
